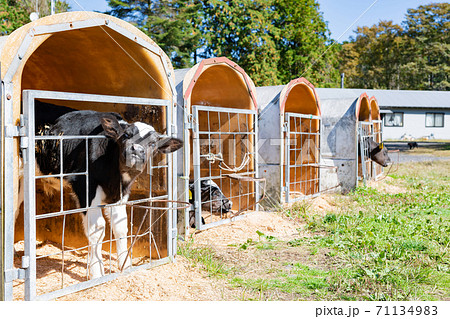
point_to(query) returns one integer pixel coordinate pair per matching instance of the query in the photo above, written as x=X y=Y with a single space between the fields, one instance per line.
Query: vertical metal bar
x=173 y=164
x=170 y=184
x=208 y=114
x=236 y=139
x=187 y=151
x=298 y=136
x=317 y=152
x=30 y=200
x=2 y=215
x=196 y=158
x=255 y=157
x=8 y=191
x=61 y=199
x=362 y=152
x=287 y=159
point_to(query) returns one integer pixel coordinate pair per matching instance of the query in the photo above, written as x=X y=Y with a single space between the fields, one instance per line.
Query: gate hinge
x=284 y=128
x=18 y=273
x=174 y=130
x=14 y=131
x=190 y=122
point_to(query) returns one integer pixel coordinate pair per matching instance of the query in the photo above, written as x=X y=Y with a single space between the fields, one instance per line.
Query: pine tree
x=304 y=44
x=12 y=16
x=242 y=31
x=170 y=23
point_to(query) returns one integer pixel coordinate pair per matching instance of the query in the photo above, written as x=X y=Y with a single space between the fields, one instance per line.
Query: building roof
x=392 y=98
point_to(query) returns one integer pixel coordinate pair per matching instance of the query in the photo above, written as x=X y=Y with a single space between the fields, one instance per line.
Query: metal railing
x=301 y=157
x=378 y=170
x=55 y=269
x=224 y=142
x=365 y=132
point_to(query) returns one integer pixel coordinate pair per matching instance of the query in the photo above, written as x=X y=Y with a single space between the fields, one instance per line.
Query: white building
x=412 y=113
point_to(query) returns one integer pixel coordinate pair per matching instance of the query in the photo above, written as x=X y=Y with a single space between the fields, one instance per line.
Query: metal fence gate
x=224 y=147
x=51 y=269
x=365 y=132
x=378 y=137
x=301 y=156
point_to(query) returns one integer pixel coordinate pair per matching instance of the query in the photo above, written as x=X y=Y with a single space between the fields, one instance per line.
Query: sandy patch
x=269 y=223
x=387 y=185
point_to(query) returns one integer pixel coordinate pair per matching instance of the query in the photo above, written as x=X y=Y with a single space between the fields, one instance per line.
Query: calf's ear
x=169 y=144
x=112 y=127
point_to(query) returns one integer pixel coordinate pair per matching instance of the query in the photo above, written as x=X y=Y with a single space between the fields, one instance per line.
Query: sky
x=342 y=15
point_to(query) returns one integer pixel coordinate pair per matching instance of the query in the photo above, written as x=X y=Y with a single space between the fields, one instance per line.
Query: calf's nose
x=138 y=149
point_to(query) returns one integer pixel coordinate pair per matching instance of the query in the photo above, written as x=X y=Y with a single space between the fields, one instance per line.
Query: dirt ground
x=183 y=281
x=174 y=281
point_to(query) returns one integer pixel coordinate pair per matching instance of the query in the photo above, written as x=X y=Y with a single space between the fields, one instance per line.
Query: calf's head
x=213 y=199
x=379 y=153
x=137 y=142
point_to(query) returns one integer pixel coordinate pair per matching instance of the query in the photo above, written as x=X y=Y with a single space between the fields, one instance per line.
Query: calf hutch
x=84 y=61
x=348 y=137
x=290 y=133
x=217 y=109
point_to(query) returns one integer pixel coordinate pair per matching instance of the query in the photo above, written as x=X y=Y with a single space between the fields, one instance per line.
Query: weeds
x=384 y=246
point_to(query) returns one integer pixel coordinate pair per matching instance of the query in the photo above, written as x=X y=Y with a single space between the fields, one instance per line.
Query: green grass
x=379 y=246
x=204 y=258
x=396 y=245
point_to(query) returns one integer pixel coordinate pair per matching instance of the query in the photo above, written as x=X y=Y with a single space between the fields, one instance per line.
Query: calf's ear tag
x=381 y=146
x=190 y=194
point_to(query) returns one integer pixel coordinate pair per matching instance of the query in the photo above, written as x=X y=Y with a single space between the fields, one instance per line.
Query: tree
x=274 y=41
x=43 y=7
x=386 y=56
x=171 y=23
x=243 y=31
x=428 y=47
x=373 y=59
x=12 y=16
x=304 y=43
x=16 y=13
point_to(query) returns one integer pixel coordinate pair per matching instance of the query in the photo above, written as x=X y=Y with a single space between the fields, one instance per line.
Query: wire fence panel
x=365 y=167
x=378 y=137
x=57 y=252
x=224 y=147
x=302 y=156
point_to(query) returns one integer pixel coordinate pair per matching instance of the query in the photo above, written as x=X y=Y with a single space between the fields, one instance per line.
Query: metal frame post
x=2 y=224
x=9 y=273
x=287 y=158
x=197 y=158
x=29 y=215
x=187 y=125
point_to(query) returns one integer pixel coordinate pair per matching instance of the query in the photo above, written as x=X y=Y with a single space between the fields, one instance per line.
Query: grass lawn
x=373 y=245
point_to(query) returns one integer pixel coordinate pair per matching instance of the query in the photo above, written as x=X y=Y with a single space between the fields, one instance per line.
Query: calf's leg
x=119 y=225
x=94 y=227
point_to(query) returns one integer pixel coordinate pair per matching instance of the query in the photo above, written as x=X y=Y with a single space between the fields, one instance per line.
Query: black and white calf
x=212 y=198
x=376 y=151
x=114 y=163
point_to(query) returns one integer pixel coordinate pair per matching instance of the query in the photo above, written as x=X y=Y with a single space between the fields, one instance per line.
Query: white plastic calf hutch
x=217 y=109
x=81 y=60
x=290 y=133
x=346 y=126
